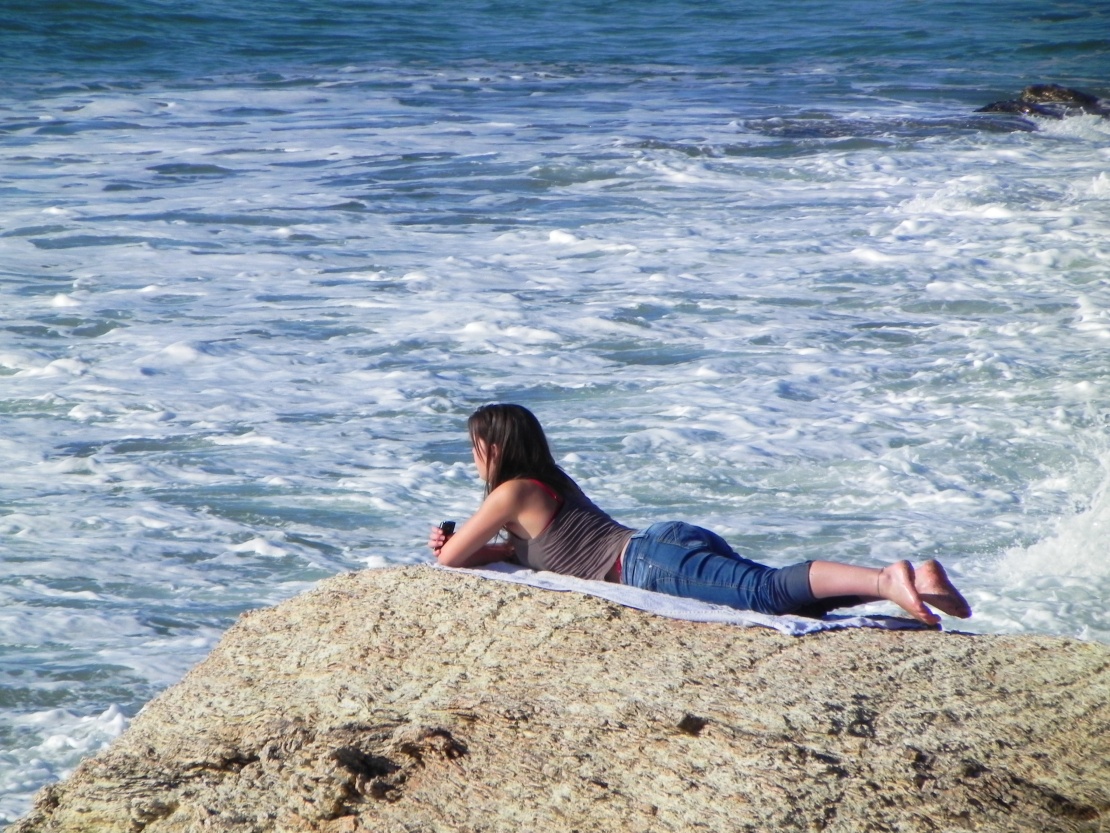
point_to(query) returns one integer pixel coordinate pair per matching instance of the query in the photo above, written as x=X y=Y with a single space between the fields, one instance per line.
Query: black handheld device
x=448 y=527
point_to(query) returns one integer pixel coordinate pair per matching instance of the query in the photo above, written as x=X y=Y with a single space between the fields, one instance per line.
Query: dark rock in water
x=1050 y=101
x=1044 y=93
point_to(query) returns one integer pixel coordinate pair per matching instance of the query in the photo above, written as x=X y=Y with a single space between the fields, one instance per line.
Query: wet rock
x=1050 y=101
x=416 y=699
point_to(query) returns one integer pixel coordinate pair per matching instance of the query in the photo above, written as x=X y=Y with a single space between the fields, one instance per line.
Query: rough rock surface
x=416 y=699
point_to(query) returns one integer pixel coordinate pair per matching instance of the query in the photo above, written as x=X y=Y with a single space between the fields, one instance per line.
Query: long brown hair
x=524 y=452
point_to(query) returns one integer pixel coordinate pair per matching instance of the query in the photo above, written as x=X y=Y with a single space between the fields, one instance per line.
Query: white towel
x=677 y=607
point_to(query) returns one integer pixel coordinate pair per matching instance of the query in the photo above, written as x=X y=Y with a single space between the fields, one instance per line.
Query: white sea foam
x=50 y=744
x=244 y=330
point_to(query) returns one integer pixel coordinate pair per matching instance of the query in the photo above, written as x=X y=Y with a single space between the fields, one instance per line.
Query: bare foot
x=896 y=584
x=934 y=588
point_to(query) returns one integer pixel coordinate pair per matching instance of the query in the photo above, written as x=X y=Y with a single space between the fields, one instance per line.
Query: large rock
x=422 y=700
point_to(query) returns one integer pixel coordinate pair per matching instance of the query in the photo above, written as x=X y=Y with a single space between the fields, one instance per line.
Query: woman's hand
x=436 y=539
x=483 y=555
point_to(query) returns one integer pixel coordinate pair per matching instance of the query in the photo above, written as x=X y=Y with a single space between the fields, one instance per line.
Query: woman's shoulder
x=522 y=486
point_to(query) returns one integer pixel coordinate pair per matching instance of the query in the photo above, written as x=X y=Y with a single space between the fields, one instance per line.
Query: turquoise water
x=763 y=269
x=909 y=45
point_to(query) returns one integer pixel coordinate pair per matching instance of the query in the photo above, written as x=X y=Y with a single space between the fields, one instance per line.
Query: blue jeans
x=686 y=560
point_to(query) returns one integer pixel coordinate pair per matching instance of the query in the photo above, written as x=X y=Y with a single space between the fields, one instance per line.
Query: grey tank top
x=580 y=541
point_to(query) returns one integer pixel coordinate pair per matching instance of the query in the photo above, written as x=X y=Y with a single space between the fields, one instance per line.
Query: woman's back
x=580 y=540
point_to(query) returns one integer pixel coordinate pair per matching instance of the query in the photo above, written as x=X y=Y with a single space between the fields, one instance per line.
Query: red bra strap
x=551 y=492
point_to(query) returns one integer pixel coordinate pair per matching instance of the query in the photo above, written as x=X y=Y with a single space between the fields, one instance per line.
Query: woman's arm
x=485 y=554
x=470 y=547
x=521 y=505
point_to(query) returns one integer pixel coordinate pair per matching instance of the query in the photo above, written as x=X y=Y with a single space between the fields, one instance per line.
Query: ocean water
x=758 y=267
